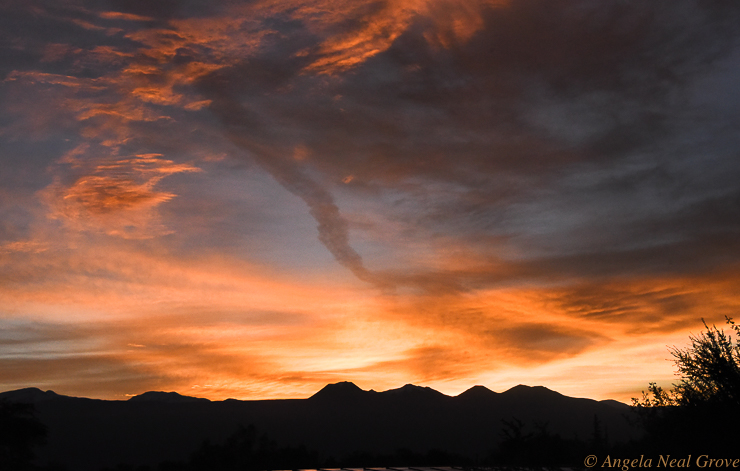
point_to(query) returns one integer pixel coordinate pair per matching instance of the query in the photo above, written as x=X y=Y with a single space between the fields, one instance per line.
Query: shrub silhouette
x=710 y=369
x=701 y=413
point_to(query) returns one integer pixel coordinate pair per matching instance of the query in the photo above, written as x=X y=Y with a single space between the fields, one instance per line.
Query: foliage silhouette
x=709 y=369
x=701 y=413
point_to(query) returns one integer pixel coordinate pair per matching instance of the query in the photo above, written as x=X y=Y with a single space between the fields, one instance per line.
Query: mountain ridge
x=161 y=396
x=30 y=395
x=336 y=390
x=340 y=419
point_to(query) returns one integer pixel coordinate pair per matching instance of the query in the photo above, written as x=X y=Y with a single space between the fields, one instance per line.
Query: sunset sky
x=252 y=199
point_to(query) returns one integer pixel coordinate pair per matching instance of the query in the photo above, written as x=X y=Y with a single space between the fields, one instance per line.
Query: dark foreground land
x=340 y=426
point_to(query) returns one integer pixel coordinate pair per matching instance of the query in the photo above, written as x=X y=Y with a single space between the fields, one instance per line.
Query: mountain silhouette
x=522 y=390
x=159 y=396
x=30 y=395
x=340 y=419
x=410 y=391
x=340 y=392
x=477 y=393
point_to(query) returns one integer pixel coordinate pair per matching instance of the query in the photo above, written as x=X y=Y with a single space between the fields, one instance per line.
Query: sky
x=253 y=199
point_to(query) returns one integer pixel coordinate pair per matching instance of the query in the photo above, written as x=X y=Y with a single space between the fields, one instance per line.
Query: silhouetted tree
x=709 y=370
x=20 y=432
x=702 y=411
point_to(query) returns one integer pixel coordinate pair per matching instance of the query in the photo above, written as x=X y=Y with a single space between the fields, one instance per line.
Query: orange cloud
x=23 y=246
x=104 y=195
x=377 y=27
x=40 y=77
x=116 y=196
x=116 y=15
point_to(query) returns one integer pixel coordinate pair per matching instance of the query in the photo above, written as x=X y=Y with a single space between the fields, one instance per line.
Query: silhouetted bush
x=702 y=412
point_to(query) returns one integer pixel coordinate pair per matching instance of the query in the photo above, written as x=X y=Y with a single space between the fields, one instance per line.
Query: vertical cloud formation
x=279 y=162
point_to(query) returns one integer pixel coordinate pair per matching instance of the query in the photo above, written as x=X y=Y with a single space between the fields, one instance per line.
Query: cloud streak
x=332 y=227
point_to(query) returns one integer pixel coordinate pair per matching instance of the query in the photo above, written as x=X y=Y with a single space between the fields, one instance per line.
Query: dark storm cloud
x=541 y=91
x=455 y=113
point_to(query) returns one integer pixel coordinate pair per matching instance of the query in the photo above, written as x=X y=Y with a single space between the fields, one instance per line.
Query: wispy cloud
x=116 y=196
